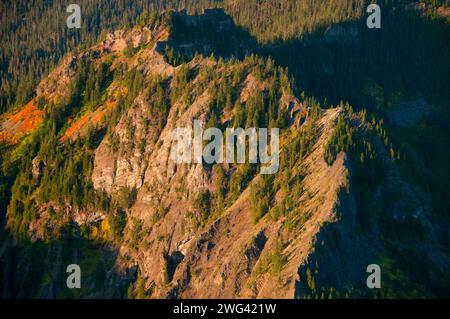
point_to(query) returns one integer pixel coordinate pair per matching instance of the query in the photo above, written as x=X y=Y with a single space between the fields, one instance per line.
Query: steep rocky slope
x=146 y=227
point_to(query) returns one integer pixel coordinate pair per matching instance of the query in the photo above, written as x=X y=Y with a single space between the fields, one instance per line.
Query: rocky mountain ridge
x=167 y=230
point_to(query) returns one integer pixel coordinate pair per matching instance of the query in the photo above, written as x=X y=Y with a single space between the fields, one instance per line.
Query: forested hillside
x=34 y=35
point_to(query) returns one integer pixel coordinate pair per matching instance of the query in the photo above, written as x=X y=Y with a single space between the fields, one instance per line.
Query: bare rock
x=38 y=166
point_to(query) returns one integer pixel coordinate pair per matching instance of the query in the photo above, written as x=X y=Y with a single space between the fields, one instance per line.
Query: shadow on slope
x=38 y=269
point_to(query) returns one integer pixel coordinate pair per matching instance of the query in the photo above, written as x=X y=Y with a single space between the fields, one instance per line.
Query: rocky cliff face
x=229 y=256
x=212 y=231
